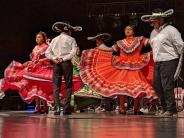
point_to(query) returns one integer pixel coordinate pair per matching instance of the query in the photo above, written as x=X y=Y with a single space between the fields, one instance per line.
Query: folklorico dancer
x=86 y=91
x=118 y=75
x=167 y=46
x=61 y=50
x=100 y=40
x=14 y=75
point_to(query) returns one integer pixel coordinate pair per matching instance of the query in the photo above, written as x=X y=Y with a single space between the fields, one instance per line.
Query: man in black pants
x=61 y=50
x=167 y=46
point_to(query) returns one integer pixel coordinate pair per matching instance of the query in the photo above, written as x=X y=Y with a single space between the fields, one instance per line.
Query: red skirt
x=34 y=83
x=97 y=72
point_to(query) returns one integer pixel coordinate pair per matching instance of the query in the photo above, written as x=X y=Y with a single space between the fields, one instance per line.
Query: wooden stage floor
x=21 y=124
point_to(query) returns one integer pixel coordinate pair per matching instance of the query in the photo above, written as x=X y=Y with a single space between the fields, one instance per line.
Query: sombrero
x=103 y=36
x=60 y=26
x=147 y=18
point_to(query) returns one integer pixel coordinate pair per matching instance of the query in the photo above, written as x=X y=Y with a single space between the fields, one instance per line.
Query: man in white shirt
x=167 y=46
x=61 y=50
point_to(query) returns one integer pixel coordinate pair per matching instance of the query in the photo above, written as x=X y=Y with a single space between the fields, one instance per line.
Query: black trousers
x=63 y=69
x=164 y=83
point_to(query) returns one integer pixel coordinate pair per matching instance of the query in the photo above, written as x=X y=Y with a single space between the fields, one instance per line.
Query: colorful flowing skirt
x=98 y=72
x=36 y=82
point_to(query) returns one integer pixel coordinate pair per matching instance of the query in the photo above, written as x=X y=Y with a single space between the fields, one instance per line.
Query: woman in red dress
x=119 y=75
x=33 y=79
x=14 y=73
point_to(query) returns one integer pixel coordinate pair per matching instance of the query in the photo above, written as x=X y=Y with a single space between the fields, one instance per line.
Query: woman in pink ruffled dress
x=14 y=74
x=33 y=79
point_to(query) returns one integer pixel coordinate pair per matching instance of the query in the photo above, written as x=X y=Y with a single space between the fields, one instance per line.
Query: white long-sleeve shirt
x=62 y=46
x=166 y=43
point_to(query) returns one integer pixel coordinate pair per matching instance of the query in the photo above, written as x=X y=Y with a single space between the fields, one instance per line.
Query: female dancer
x=13 y=76
x=119 y=75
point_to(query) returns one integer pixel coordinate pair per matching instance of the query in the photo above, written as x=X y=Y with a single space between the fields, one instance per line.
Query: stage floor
x=19 y=124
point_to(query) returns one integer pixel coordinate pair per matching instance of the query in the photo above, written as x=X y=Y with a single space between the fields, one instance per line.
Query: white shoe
x=2 y=95
x=103 y=110
x=98 y=109
x=144 y=110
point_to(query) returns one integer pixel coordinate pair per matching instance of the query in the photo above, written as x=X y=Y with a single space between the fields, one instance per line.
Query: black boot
x=138 y=113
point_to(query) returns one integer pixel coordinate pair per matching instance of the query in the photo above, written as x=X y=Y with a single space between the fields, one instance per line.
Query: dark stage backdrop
x=20 y=20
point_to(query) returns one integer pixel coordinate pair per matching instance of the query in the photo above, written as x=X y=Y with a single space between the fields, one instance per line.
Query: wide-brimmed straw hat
x=103 y=36
x=147 y=18
x=64 y=26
